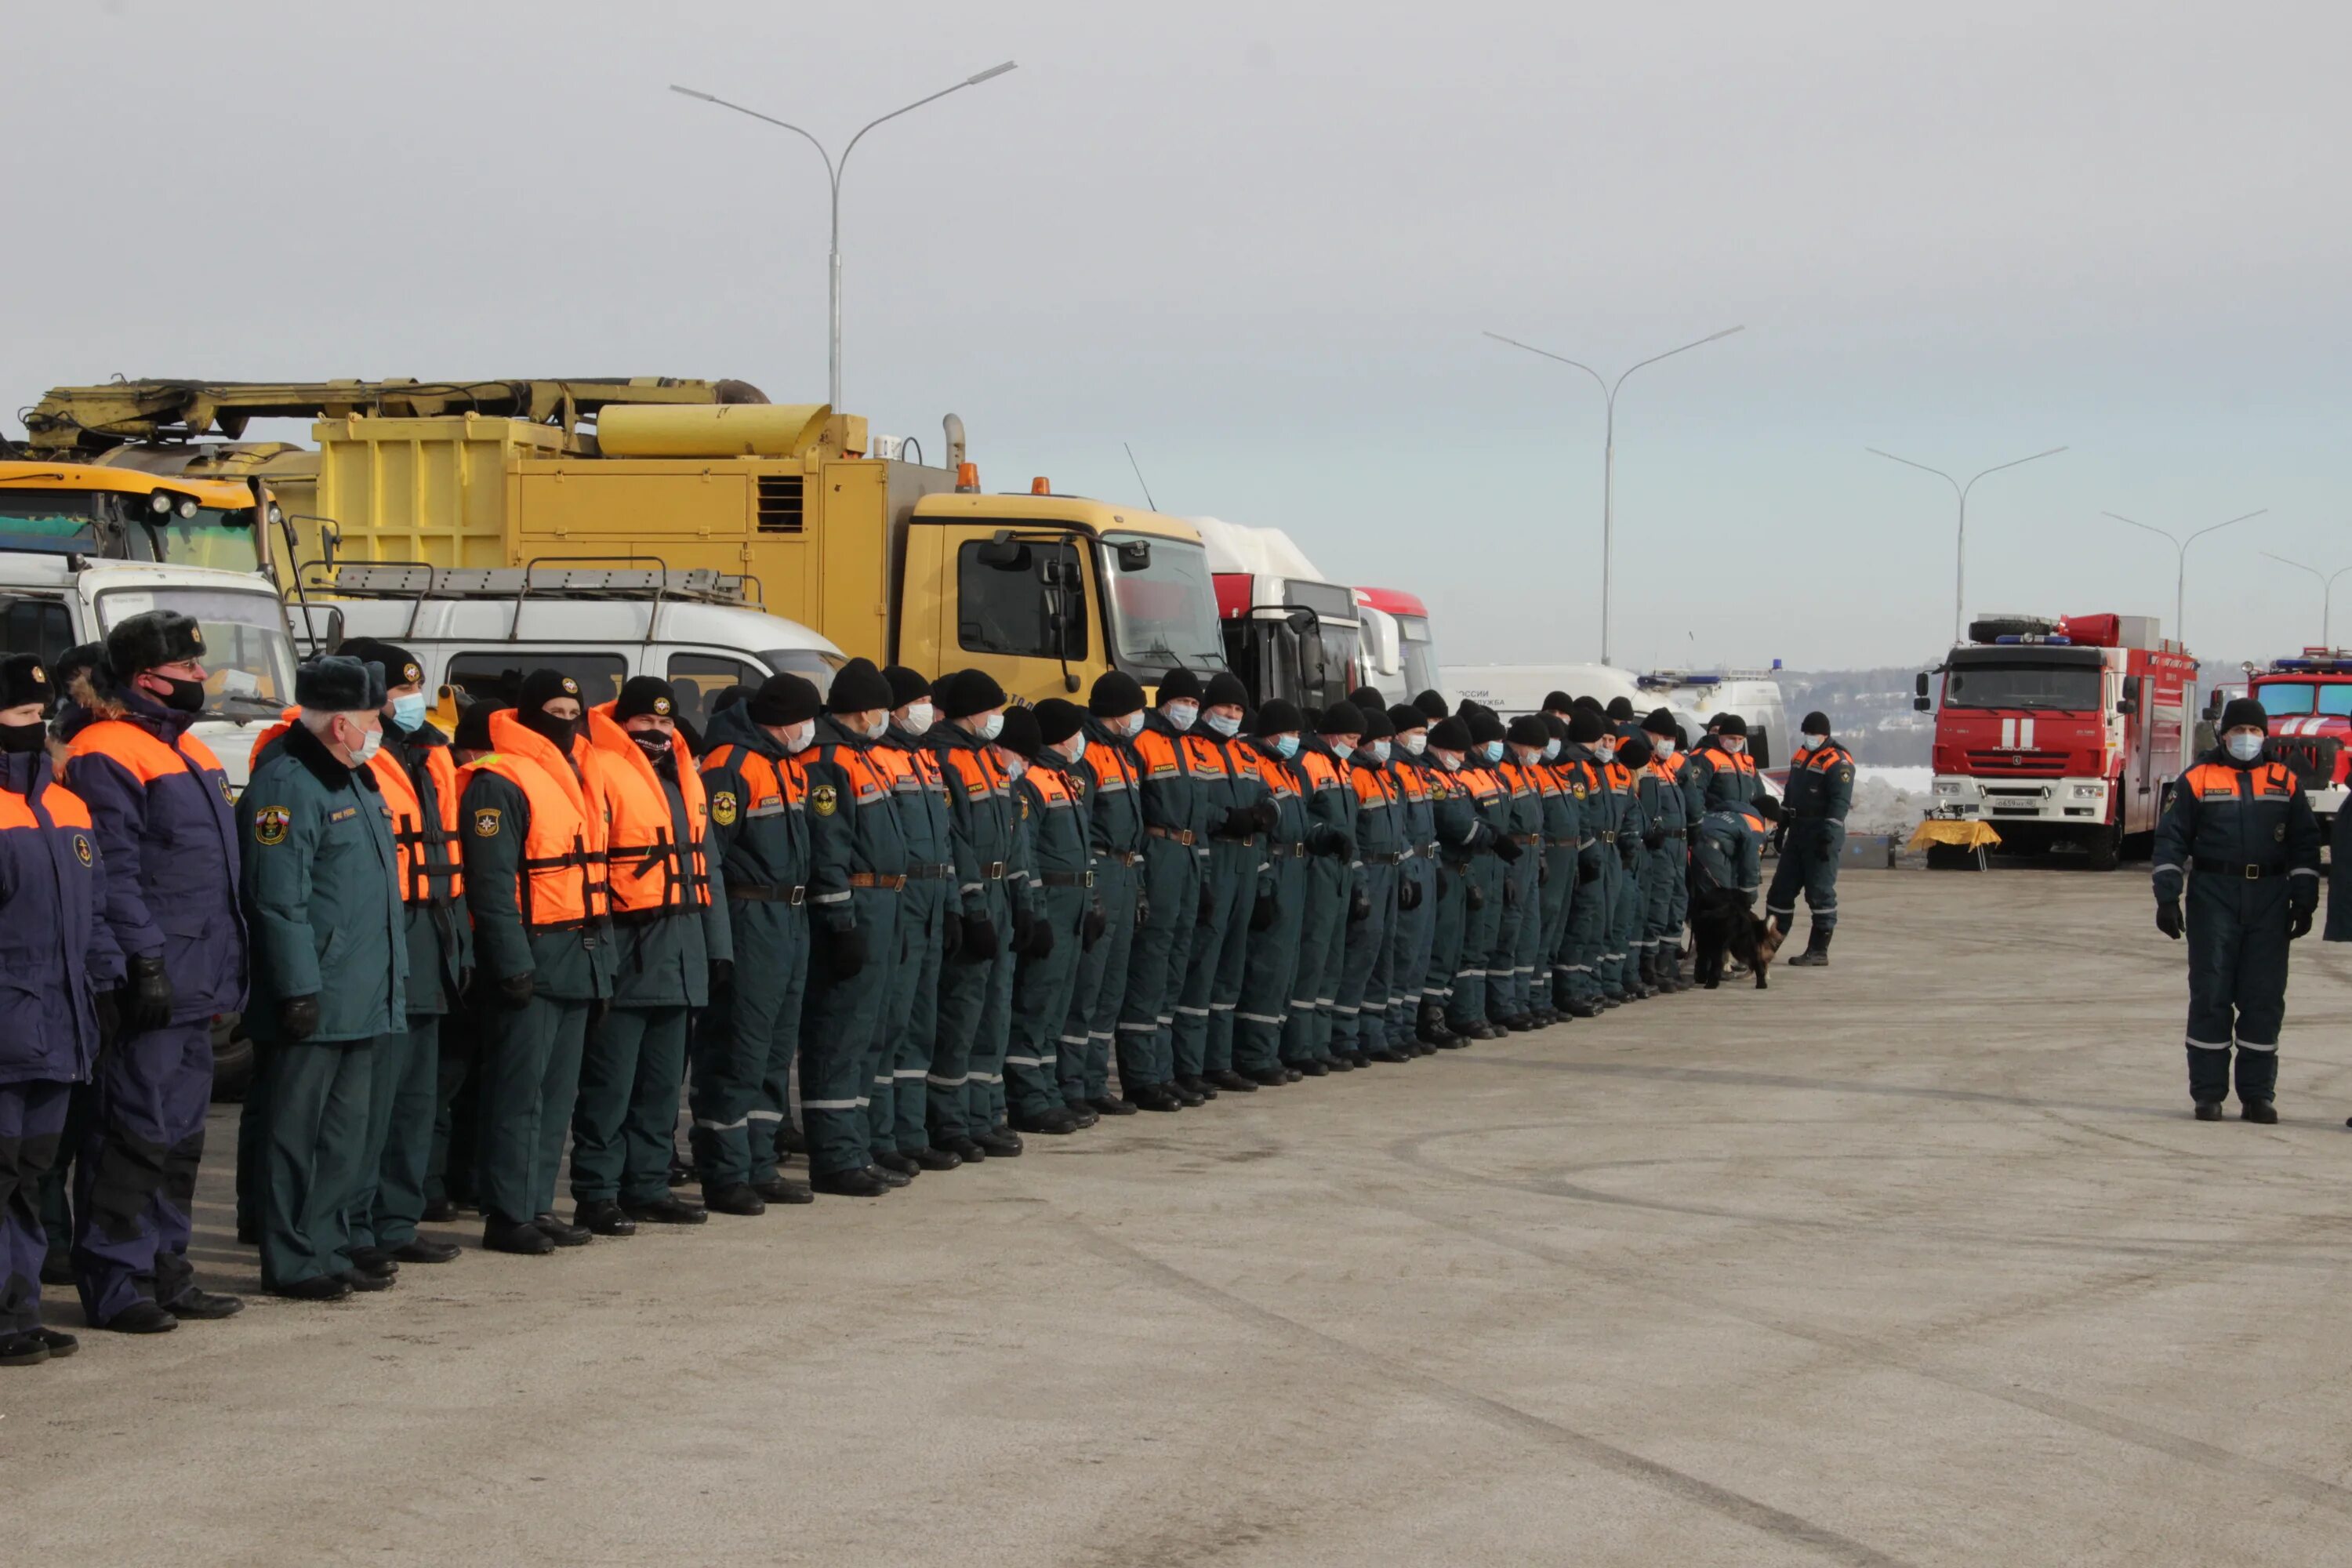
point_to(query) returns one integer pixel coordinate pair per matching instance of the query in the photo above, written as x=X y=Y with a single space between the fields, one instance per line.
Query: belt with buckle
x=929 y=873
x=1382 y=859
x=1066 y=878
x=767 y=893
x=1606 y=837
x=1184 y=835
x=1121 y=857
x=2233 y=870
x=876 y=879
x=1527 y=838
x=1675 y=833
x=992 y=870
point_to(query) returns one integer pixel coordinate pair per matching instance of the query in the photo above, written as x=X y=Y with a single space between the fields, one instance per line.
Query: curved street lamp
x=1960 y=536
x=2327 y=595
x=2181 y=564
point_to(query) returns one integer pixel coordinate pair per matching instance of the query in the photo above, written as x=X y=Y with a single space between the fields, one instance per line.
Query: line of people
x=955 y=919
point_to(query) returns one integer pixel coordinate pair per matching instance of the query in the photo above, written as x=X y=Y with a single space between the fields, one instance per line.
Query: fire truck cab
x=2309 y=699
x=1287 y=632
x=2065 y=732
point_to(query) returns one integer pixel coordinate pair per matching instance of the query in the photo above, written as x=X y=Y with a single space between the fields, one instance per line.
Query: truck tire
x=2104 y=848
x=1988 y=627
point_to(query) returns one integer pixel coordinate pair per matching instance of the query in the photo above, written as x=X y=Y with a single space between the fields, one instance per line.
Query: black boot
x=863 y=1182
x=735 y=1198
x=605 y=1216
x=1817 y=949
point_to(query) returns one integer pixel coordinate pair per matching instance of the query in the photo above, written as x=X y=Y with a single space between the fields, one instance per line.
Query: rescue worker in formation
x=1114 y=815
x=1468 y=1014
x=1516 y=966
x=1666 y=759
x=1562 y=829
x=900 y=1117
x=450 y=1173
x=321 y=891
x=746 y=1042
x=1597 y=867
x=56 y=1205
x=976 y=985
x=417 y=778
x=2240 y=832
x=62 y=967
x=1331 y=887
x=1416 y=921
x=1720 y=774
x=1360 y=1016
x=1175 y=850
x=160 y=808
x=1193 y=962
x=1644 y=877
x=1665 y=849
x=1272 y=752
x=1454 y=816
x=670 y=945
x=858 y=868
x=1051 y=793
x=1240 y=815
x=1618 y=975
x=532 y=816
x=1820 y=793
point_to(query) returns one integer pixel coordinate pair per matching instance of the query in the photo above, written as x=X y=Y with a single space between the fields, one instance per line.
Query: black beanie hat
x=474 y=727
x=1377 y=725
x=1057 y=721
x=1342 y=718
x=857 y=688
x=1732 y=724
x=785 y=699
x=23 y=680
x=1224 y=686
x=1584 y=726
x=1659 y=723
x=1557 y=725
x=541 y=687
x=2241 y=711
x=334 y=684
x=1278 y=718
x=1620 y=708
x=1634 y=751
x=1588 y=704
x=643 y=694
x=1450 y=735
x=1468 y=710
x=1814 y=724
x=727 y=696
x=1682 y=739
x=969 y=691
x=906 y=685
x=1405 y=716
x=1485 y=727
x=1179 y=685
x=1368 y=698
x=1715 y=723
x=1526 y=729
x=1433 y=702
x=1020 y=734
x=400 y=666
x=1116 y=695
x=1557 y=701
x=154 y=639
x=1765 y=806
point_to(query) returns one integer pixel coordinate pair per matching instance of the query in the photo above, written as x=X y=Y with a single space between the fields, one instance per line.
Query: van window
x=695 y=678
x=497 y=675
x=41 y=627
x=1007 y=609
x=811 y=666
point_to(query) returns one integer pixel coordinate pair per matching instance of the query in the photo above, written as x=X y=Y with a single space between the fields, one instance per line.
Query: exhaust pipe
x=953 y=426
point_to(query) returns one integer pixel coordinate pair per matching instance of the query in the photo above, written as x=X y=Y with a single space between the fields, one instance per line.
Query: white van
x=477 y=632
x=1512 y=690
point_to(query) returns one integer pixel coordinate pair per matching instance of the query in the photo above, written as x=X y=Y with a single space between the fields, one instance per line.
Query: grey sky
x=1260 y=243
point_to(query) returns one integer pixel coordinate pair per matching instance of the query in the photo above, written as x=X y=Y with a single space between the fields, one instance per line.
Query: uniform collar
x=311 y=752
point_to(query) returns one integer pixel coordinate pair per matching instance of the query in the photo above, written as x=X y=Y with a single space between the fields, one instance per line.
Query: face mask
x=1015 y=768
x=1664 y=748
x=1180 y=714
x=880 y=727
x=557 y=733
x=1551 y=750
x=798 y=736
x=1451 y=765
x=1224 y=724
x=370 y=743
x=1286 y=746
x=408 y=712
x=1077 y=747
x=2246 y=748
x=1733 y=745
x=652 y=743
x=1605 y=752
x=1817 y=742
x=185 y=696
x=1416 y=743
x=991 y=727
x=919 y=717
x=16 y=740
x=1129 y=728
x=1492 y=751
x=1380 y=750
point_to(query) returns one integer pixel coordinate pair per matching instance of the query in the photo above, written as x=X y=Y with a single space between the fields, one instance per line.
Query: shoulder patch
x=270 y=826
x=724 y=808
x=825 y=800
x=485 y=821
x=82 y=847
x=227 y=793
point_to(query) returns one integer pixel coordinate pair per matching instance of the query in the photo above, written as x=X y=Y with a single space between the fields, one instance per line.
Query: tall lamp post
x=2180 y=559
x=834 y=170
x=2327 y=595
x=1960 y=535
x=1609 y=449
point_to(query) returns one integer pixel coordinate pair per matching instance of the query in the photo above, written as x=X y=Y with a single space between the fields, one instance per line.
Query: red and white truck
x=2064 y=731
x=2309 y=699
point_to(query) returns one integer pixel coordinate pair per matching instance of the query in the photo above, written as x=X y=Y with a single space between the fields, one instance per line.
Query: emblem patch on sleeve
x=485 y=821
x=722 y=808
x=270 y=826
x=825 y=800
x=82 y=847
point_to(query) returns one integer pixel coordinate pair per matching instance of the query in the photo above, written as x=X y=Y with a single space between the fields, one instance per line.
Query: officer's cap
x=400 y=666
x=151 y=640
x=23 y=681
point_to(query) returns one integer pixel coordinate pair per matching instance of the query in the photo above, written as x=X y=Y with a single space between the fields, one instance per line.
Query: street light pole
x=833 y=172
x=2326 y=596
x=1960 y=538
x=2180 y=564
x=1609 y=450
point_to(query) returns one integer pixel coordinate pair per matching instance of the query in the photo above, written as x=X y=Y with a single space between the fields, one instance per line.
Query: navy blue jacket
x=56 y=948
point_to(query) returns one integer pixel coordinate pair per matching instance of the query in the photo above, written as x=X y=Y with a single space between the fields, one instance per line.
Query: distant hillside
x=1870 y=710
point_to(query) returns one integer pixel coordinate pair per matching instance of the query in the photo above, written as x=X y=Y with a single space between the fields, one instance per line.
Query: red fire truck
x=2309 y=699
x=2064 y=731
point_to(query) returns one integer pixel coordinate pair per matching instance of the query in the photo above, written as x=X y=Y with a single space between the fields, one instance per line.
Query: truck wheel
x=2104 y=847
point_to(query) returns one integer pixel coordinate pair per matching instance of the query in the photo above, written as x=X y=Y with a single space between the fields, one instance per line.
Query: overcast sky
x=1260 y=242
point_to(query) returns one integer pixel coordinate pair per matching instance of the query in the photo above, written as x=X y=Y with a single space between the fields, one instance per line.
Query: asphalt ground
x=1917 y=1259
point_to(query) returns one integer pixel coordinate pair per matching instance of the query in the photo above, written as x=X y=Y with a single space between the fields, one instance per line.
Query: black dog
x=1722 y=922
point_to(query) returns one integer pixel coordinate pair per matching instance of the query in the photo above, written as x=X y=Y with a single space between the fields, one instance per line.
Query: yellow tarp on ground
x=1966 y=835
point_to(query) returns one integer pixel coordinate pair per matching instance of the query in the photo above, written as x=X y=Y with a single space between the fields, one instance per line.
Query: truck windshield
x=1164 y=616
x=2288 y=698
x=1418 y=655
x=2022 y=683
x=248 y=659
x=123 y=525
x=214 y=537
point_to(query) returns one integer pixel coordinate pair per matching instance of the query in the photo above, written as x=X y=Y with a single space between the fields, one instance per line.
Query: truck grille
x=2311 y=758
x=780 y=503
x=2018 y=764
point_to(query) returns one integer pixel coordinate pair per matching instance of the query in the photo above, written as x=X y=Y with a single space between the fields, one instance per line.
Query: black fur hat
x=151 y=640
x=335 y=684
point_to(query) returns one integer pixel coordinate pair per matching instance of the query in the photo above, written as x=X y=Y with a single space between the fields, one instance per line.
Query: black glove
x=1360 y=908
x=1625 y=853
x=600 y=1009
x=1096 y=924
x=515 y=990
x=1208 y=910
x=1041 y=941
x=2298 y=921
x=1025 y=928
x=1587 y=871
x=1242 y=822
x=298 y=1018
x=845 y=951
x=1653 y=838
x=951 y=933
x=1409 y=896
x=109 y=1018
x=1474 y=898
x=1326 y=839
x=978 y=940
x=1262 y=917
x=722 y=977
x=1268 y=814
x=2168 y=918
x=146 y=995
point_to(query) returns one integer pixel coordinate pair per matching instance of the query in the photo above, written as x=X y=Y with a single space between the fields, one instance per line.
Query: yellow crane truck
x=858 y=539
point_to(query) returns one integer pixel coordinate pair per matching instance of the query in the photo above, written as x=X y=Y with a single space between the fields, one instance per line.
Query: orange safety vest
x=1203 y=754
x=1052 y=787
x=562 y=885
x=410 y=832
x=1157 y=751
x=770 y=789
x=1744 y=762
x=141 y=754
x=1516 y=775
x=976 y=765
x=1380 y=791
x=1410 y=784
x=1121 y=774
x=1320 y=771
x=2219 y=781
x=1672 y=767
x=648 y=870
x=1481 y=782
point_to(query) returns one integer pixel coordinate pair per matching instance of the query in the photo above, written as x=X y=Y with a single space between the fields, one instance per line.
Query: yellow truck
x=129 y=515
x=884 y=555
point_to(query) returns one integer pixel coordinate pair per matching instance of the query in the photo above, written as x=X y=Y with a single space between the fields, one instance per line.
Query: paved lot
x=1916 y=1261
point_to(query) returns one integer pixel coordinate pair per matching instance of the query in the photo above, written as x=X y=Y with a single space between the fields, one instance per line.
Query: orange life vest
x=648 y=869
x=410 y=832
x=562 y=885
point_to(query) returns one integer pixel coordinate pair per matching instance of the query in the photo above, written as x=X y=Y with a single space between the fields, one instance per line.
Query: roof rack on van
x=547 y=577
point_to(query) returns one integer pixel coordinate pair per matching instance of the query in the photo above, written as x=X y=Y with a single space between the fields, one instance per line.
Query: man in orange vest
x=532 y=818
x=670 y=948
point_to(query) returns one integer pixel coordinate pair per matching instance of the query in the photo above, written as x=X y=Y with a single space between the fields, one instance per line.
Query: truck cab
x=124 y=514
x=1400 y=655
x=2309 y=699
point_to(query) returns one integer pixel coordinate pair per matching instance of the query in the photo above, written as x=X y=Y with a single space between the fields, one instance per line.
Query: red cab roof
x=1395 y=601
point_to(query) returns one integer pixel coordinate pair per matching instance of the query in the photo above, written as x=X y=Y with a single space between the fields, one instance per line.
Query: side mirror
x=1921 y=704
x=2130 y=702
x=1303 y=621
x=1134 y=555
x=1919 y=687
x=2213 y=704
x=334 y=629
x=1004 y=553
